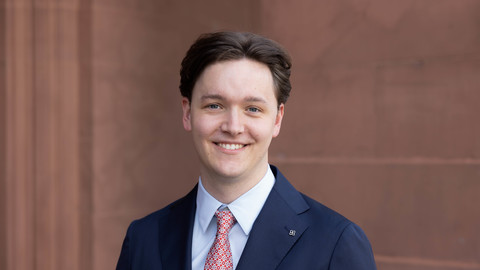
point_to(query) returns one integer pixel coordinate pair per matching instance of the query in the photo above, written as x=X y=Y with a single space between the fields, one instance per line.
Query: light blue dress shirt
x=245 y=209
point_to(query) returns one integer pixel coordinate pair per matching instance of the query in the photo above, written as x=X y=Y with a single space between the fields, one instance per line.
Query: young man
x=243 y=214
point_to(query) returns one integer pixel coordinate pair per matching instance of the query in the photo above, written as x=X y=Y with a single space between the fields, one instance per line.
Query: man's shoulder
x=329 y=226
x=347 y=242
x=322 y=214
x=317 y=212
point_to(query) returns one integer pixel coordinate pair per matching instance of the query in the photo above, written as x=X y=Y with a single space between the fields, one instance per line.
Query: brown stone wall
x=3 y=206
x=382 y=124
x=388 y=92
x=46 y=222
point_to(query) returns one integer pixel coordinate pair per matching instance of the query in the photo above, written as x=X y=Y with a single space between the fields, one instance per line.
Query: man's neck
x=227 y=190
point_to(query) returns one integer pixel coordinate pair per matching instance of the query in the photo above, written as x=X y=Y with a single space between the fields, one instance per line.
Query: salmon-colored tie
x=220 y=255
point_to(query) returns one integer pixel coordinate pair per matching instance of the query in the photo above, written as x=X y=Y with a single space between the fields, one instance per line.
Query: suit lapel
x=176 y=244
x=277 y=228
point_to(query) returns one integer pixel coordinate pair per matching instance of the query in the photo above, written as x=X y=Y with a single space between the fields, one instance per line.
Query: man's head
x=234 y=88
x=223 y=46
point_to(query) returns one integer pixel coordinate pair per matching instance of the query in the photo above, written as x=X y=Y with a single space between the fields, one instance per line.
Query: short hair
x=215 y=47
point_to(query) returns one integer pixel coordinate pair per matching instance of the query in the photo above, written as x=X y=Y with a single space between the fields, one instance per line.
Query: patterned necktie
x=220 y=255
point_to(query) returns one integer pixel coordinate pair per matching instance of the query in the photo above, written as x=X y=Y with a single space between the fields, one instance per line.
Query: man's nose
x=233 y=122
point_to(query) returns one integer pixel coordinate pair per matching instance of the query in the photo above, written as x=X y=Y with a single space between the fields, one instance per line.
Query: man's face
x=233 y=116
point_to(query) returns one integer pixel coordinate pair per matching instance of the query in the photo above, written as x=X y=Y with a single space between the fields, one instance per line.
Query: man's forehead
x=239 y=80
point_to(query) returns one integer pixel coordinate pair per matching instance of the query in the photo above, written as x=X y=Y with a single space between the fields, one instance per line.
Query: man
x=243 y=214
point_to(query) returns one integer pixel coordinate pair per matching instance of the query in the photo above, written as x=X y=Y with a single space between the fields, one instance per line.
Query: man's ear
x=278 y=120
x=187 y=109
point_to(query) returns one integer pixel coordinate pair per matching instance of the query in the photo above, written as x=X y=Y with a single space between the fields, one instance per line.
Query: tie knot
x=225 y=220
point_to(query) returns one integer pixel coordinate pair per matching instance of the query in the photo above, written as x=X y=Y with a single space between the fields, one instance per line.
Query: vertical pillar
x=3 y=209
x=47 y=199
x=20 y=217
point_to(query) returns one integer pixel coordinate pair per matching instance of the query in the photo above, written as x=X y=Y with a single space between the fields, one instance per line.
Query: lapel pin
x=292 y=233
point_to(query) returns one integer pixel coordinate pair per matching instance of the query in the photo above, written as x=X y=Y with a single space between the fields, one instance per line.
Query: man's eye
x=253 y=109
x=213 y=106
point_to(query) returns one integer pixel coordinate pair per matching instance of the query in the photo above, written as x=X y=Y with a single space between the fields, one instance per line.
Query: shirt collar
x=245 y=209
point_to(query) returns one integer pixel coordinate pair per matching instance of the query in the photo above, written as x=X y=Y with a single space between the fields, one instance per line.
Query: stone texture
x=3 y=147
x=387 y=94
x=381 y=85
x=44 y=223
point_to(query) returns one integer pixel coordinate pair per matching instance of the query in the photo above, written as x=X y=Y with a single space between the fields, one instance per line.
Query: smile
x=229 y=146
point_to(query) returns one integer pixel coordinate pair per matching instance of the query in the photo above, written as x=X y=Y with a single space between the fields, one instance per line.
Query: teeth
x=230 y=146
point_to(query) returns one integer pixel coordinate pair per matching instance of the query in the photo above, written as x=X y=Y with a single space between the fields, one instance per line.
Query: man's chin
x=228 y=172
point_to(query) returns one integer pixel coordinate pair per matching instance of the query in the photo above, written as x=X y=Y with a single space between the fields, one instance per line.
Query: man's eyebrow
x=212 y=96
x=255 y=99
x=220 y=97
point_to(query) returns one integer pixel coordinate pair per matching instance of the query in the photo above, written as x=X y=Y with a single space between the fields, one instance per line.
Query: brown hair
x=223 y=46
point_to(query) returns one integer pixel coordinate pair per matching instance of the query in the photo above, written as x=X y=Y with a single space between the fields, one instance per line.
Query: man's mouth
x=231 y=146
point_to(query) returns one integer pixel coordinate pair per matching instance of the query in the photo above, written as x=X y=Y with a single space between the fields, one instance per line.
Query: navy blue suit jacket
x=292 y=231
